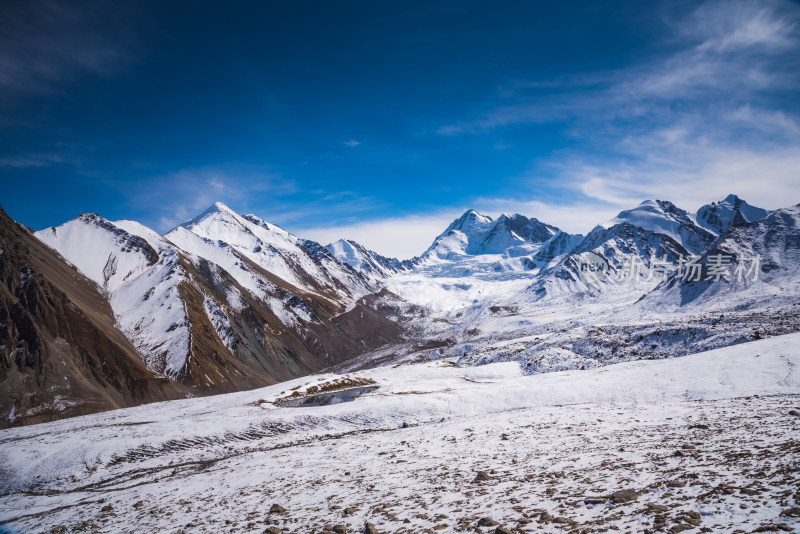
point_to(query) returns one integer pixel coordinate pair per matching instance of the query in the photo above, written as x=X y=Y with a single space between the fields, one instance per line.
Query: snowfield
x=704 y=443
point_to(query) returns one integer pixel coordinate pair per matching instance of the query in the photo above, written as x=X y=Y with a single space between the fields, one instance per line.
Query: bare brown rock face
x=60 y=353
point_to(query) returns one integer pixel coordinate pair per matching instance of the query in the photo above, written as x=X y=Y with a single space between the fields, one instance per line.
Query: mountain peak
x=218 y=207
x=472 y=216
x=475 y=234
x=732 y=210
x=217 y=210
x=664 y=217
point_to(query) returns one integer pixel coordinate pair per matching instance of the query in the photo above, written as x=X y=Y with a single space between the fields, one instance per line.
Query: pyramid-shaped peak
x=219 y=207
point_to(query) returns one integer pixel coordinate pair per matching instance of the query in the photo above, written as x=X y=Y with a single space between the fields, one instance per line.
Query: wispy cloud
x=45 y=45
x=352 y=143
x=732 y=49
x=338 y=207
x=700 y=121
x=705 y=119
x=31 y=160
x=176 y=197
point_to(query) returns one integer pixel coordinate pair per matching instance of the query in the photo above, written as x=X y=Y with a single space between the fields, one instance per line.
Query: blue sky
x=382 y=121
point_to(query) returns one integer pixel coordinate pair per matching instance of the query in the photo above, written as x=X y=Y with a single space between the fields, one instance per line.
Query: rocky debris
x=659 y=508
x=623 y=496
x=138 y=505
x=369 y=528
x=794 y=413
x=277 y=509
x=404 y=425
x=481 y=476
x=272 y=530
x=691 y=517
x=486 y=522
x=107 y=508
x=676 y=484
x=595 y=500
x=502 y=530
x=416 y=496
x=780 y=527
x=791 y=512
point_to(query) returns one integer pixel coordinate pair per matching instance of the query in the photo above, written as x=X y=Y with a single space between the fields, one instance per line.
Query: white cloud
x=691 y=126
x=729 y=51
x=397 y=237
x=724 y=26
x=690 y=176
x=352 y=143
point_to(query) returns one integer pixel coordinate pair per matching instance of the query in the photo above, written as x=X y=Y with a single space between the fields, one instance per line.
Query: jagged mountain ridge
x=475 y=234
x=732 y=210
x=270 y=247
x=367 y=261
x=757 y=260
x=635 y=246
x=209 y=315
x=227 y=302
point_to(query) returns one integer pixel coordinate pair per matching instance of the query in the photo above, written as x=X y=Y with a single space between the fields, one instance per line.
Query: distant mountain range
x=99 y=314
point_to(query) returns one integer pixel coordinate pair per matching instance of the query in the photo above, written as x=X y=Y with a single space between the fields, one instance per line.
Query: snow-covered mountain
x=627 y=250
x=366 y=261
x=663 y=217
x=558 y=245
x=496 y=338
x=61 y=353
x=224 y=302
x=748 y=264
x=223 y=237
x=140 y=281
x=475 y=234
x=719 y=216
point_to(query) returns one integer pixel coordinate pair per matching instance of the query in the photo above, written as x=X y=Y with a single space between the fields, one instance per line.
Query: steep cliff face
x=60 y=352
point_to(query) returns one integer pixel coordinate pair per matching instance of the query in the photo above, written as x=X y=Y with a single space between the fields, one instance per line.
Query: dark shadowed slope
x=60 y=352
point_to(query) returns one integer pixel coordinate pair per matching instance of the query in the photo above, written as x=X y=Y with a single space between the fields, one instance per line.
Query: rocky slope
x=204 y=307
x=60 y=352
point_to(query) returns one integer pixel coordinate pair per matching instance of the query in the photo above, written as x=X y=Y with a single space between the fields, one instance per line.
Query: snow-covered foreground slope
x=707 y=440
